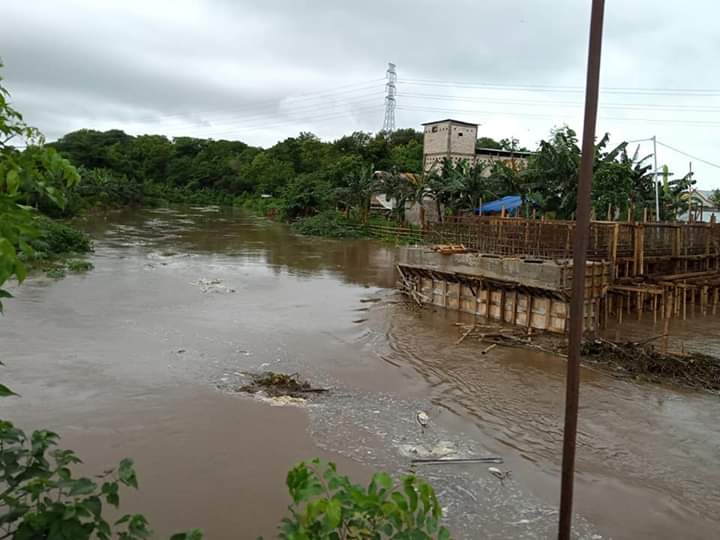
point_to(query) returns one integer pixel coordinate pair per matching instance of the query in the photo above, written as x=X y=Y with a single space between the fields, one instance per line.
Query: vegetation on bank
x=332 y=224
x=303 y=176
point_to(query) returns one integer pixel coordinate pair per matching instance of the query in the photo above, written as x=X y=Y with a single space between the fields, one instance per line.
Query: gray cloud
x=234 y=68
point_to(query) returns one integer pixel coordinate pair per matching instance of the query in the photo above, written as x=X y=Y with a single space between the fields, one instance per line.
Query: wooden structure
x=534 y=294
x=658 y=270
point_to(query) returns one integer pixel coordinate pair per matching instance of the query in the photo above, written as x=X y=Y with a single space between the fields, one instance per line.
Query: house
x=702 y=207
x=456 y=140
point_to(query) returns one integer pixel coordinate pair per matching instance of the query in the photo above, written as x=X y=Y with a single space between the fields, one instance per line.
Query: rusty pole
x=577 y=302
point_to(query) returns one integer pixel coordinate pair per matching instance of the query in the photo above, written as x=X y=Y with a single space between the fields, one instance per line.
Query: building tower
x=390 y=92
x=448 y=139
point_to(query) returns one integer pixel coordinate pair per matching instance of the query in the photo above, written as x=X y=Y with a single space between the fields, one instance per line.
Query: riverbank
x=130 y=356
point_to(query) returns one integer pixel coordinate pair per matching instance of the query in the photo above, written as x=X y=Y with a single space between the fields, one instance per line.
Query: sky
x=264 y=70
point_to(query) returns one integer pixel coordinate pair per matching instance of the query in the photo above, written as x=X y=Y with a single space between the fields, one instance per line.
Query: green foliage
x=56 y=272
x=330 y=223
x=303 y=173
x=675 y=195
x=715 y=197
x=41 y=498
x=357 y=188
x=55 y=239
x=328 y=506
x=79 y=265
x=36 y=173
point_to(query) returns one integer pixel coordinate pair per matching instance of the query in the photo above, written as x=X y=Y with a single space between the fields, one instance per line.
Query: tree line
x=303 y=176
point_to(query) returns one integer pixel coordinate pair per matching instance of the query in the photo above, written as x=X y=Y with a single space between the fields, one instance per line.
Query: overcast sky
x=263 y=70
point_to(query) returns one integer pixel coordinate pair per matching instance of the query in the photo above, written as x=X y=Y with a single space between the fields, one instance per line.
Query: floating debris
x=274 y=384
x=212 y=286
x=440 y=450
x=642 y=360
x=422 y=418
x=281 y=401
x=441 y=461
x=500 y=475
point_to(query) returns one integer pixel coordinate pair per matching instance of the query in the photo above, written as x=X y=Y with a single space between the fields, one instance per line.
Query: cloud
x=260 y=71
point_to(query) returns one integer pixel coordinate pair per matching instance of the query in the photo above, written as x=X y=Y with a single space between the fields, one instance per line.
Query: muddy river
x=135 y=358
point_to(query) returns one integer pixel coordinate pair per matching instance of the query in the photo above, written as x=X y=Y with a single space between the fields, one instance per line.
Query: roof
x=450 y=120
x=503 y=152
x=703 y=196
x=509 y=203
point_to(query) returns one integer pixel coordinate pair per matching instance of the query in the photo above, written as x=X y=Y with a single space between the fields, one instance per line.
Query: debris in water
x=280 y=384
x=642 y=360
x=441 y=449
x=281 y=401
x=212 y=285
x=422 y=418
x=440 y=461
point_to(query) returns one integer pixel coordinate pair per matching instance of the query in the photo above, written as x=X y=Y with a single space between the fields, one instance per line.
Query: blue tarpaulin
x=510 y=203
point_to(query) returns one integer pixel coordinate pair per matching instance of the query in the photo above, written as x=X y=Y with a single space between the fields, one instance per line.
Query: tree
x=715 y=197
x=676 y=195
x=398 y=188
x=357 y=189
x=553 y=172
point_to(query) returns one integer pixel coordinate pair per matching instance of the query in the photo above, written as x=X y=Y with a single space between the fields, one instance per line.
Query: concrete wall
x=448 y=139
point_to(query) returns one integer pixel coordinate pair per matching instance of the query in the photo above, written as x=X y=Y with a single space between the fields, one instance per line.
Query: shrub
x=56 y=238
x=328 y=506
x=331 y=224
x=79 y=265
x=56 y=272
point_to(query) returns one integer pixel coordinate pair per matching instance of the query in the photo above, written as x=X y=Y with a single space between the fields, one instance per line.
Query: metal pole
x=655 y=176
x=577 y=302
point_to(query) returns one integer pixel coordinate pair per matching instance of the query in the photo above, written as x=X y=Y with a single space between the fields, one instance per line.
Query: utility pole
x=577 y=300
x=390 y=93
x=655 y=177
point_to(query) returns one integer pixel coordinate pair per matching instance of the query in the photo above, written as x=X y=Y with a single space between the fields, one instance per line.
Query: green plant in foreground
x=41 y=499
x=328 y=506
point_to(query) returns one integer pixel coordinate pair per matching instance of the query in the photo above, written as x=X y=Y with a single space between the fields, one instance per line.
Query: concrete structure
x=524 y=292
x=456 y=140
x=451 y=139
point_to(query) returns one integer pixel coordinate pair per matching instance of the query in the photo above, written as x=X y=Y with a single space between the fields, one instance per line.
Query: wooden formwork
x=662 y=270
x=507 y=301
x=633 y=248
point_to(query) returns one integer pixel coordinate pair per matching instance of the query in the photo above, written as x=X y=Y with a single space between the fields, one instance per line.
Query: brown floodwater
x=132 y=359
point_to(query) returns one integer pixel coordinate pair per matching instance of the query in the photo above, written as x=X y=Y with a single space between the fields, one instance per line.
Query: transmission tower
x=390 y=93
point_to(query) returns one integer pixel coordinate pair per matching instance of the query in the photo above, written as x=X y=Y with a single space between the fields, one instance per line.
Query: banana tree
x=359 y=186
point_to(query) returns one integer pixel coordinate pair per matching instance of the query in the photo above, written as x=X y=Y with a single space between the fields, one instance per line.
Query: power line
x=559 y=88
x=701 y=160
x=535 y=115
x=295 y=121
x=612 y=105
x=267 y=104
x=234 y=118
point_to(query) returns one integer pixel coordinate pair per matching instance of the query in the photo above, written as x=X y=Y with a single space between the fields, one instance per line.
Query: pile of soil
x=644 y=361
x=280 y=384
